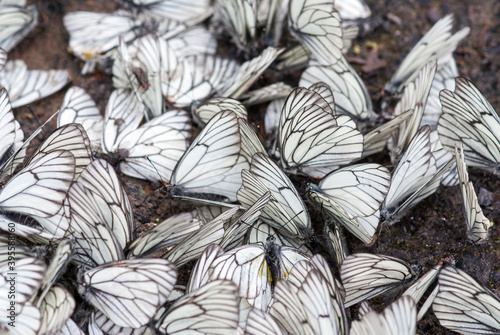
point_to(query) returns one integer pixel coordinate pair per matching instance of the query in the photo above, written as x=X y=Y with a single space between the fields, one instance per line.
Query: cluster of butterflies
x=250 y=234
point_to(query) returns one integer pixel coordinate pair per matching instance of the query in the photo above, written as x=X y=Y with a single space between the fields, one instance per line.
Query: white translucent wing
x=247 y=268
x=211 y=309
x=310 y=140
x=55 y=309
x=376 y=140
x=7 y=128
x=288 y=310
x=123 y=115
x=365 y=276
x=27 y=321
x=286 y=210
x=129 y=292
x=205 y=166
x=477 y=223
x=261 y=323
x=100 y=324
x=40 y=84
x=70 y=328
x=41 y=187
x=464 y=306
x=318 y=26
x=248 y=73
x=359 y=190
x=92 y=34
x=444 y=79
x=205 y=111
x=13 y=77
x=415 y=168
x=199 y=273
x=165 y=234
x=3 y=58
x=267 y=93
x=193 y=245
x=78 y=107
x=175 y=10
x=27 y=273
x=469 y=118
x=352 y=9
x=414 y=98
x=239 y=19
x=399 y=318
x=351 y=94
x=15 y=24
x=72 y=138
x=436 y=43
x=152 y=151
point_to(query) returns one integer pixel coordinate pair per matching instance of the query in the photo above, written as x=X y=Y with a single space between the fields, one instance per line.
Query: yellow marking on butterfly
x=491 y=224
x=261 y=272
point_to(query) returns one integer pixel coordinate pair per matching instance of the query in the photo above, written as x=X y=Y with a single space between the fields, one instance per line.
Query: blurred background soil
x=435 y=228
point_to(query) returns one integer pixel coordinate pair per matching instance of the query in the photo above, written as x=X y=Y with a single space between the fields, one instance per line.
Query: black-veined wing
x=25 y=86
x=261 y=323
x=253 y=268
x=27 y=321
x=285 y=211
x=469 y=118
x=213 y=162
x=247 y=74
x=365 y=276
x=414 y=98
x=55 y=308
x=311 y=141
x=477 y=223
x=318 y=26
x=376 y=140
x=71 y=137
x=443 y=156
x=129 y=292
x=400 y=317
x=211 y=309
x=15 y=23
x=93 y=34
x=151 y=151
x=100 y=324
x=165 y=234
x=351 y=94
x=359 y=191
x=416 y=167
x=267 y=93
x=199 y=273
x=351 y=10
x=181 y=11
x=239 y=18
x=205 y=111
x=444 y=79
x=336 y=241
x=192 y=246
x=3 y=58
x=464 y=306
x=78 y=107
x=123 y=115
x=101 y=216
x=436 y=43
x=70 y=328
x=11 y=142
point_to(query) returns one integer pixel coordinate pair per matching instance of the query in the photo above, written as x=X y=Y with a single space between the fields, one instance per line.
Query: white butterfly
x=261 y=323
x=352 y=10
x=211 y=309
x=205 y=111
x=477 y=223
x=15 y=23
x=25 y=86
x=311 y=139
x=400 y=317
x=353 y=196
x=101 y=217
x=415 y=178
x=129 y=292
x=149 y=151
x=437 y=43
x=3 y=58
x=213 y=162
x=286 y=211
x=365 y=276
x=464 y=306
x=469 y=118
x=239 y=18
x=175 y=10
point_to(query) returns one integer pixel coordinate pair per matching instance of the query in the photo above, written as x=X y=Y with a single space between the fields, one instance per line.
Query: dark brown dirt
x=433 y=230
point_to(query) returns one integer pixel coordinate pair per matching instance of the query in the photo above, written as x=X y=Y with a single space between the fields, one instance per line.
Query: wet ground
x=433 y=230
